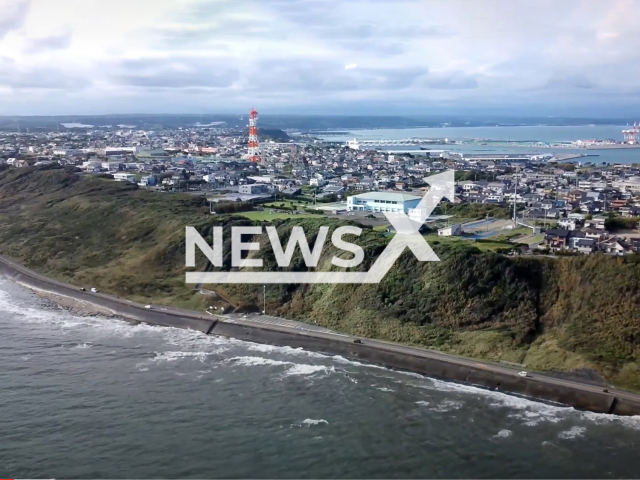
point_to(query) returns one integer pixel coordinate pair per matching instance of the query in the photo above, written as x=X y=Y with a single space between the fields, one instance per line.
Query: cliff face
x=561 y=314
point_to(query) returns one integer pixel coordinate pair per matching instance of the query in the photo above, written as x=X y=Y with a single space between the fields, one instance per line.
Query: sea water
x=94 y=397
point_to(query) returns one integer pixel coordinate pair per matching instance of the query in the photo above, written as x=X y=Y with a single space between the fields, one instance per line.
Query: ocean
x=548 y=134
x=92 y=397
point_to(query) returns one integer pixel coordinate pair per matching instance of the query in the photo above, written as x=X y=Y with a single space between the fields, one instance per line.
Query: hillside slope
x=578 y=314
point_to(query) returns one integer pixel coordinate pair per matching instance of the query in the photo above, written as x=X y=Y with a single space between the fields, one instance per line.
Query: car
x=523 y=374
x=357 y=340
x=94 y=290
x=82 y=289
x=147 y=306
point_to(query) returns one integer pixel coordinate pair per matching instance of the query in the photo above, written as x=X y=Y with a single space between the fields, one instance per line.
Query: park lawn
x=485 y=245
x=511 y=235
x=537 y=239
x=263 y=216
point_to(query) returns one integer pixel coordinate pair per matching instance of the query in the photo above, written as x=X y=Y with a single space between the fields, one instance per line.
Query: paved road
x=284 y=324
x=138 y=311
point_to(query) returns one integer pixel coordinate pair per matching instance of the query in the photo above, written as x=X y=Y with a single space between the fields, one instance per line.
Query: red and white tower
x=254 y=154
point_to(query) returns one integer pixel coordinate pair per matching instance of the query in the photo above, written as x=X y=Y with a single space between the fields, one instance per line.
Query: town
x=515 y=203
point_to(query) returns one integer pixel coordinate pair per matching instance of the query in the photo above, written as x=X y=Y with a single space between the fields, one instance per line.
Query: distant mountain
x=304 y=123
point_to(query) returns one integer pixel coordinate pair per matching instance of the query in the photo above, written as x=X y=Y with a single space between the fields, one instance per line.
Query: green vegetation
x=620 y=223
x=483 y=245
x=548 y=313
x=284 y=205
x=232 y=207
x=265 y=215
x=473 y=210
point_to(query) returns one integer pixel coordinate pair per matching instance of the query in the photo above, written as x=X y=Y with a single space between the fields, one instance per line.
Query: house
x=615 y=246
x=596 y=234
x=597 y=222
x=583 y=245
x=317 y=182
x=293 y=191
x=147 y=181
x=569 y=223
x=334 y=190
x=253 y=189
x=557 y=238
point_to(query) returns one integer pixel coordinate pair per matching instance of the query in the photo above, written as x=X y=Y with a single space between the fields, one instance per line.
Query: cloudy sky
x=540 y=57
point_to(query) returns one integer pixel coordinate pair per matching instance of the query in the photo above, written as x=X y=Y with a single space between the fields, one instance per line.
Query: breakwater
x=434 y=364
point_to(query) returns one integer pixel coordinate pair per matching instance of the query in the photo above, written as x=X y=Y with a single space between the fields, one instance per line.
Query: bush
x=233 y=207
x=620 y=223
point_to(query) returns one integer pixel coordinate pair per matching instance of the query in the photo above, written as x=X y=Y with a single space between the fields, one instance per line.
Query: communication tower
x=631 y=135
x=254 y=155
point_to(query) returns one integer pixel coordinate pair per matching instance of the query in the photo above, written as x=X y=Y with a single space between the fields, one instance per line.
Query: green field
x=511 y=235
x=264 y=215
x=488 y=245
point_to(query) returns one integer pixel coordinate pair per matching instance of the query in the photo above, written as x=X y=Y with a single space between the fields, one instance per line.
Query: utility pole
x=264 y=299
x=515 y=195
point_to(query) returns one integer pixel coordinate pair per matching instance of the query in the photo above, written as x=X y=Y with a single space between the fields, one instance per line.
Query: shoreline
x=78 y=307
x=492 y=376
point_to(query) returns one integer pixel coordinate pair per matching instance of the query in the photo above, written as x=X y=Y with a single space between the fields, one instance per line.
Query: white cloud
x=223 y=55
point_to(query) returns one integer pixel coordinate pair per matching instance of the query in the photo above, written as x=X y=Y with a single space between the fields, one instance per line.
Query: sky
x=378 y=57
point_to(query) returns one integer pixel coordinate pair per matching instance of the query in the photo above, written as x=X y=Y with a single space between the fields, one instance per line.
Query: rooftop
x=387 y=196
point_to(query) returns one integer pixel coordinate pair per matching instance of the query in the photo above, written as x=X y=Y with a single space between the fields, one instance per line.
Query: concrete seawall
x=434 y=364
x=119 y=307
x=595 y=401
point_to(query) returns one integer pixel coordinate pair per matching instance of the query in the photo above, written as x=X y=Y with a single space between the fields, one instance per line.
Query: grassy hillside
x=561 y=314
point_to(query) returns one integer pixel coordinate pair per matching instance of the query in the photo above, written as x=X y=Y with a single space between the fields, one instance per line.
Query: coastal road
x=205 y=321
x=433 y=354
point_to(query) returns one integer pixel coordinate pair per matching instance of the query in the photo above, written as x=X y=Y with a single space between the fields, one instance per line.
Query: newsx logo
x=407 y=236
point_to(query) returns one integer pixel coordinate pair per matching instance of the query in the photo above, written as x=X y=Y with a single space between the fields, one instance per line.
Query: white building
x=262 y=178
x=317 y=182
x=110 y=166
x=383 y=202
x=630 y=184
x=253 y=189
x=119 y=150
x=353 y=144
x=124 y=177
x=64 y=152
x=92 y=165
x=452 y=230
x=568 y=223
